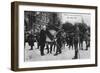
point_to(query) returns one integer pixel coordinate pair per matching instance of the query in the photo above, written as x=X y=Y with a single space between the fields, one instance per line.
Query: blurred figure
x=71 y=40
x=38 y=40
x=59 y=44
x=81 y=35
x=42 y=40
x=87 y=39
x=67 y=39
x=54 y=43
x=76 y=40
x=31 y=41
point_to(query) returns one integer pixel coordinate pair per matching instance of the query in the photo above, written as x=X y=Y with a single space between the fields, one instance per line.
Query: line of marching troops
x=61 y=38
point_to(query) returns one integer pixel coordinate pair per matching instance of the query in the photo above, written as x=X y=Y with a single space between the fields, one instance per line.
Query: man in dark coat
x=76 y=40
x=38 y=40
x=76 y=46
x=42 y=40
x=71 y=40
x=31 y=41
x=81 y=35
x=59 y=44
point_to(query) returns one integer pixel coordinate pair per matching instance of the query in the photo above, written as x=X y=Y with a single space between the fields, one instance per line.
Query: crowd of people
x=62 y=38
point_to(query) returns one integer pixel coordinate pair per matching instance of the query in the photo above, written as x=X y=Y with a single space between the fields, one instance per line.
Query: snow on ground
x=34 y=55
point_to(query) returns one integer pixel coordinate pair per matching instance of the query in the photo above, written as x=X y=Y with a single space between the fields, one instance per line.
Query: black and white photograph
x=53 y=36
x=56 y=36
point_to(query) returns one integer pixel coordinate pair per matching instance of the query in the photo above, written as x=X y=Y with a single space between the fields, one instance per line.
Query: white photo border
x=23 y=64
